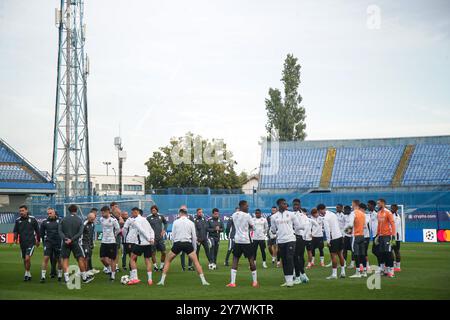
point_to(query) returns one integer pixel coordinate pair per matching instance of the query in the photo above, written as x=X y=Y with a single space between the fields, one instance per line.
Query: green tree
x=285 y=114
x=192 y=161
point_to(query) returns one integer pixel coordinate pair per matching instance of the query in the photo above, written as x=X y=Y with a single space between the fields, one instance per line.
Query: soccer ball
x=124 y=279
x=212 y=266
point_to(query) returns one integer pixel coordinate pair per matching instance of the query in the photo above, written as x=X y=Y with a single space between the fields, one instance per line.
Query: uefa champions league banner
x=427 y=225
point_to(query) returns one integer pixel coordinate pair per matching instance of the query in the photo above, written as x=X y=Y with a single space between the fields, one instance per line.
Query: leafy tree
x=285 y=114
x=192 y=161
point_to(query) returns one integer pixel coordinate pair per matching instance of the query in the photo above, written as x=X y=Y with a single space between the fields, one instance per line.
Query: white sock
x=334 y=274
x=109 y=268
x=149 y=275
x=202 y=278
x=289 y=278
x=254 y=276
x=161 y=265
x=66 y=276
x=43 y=272
x=382 y=267
x=313 y=259
x=59 y=273
x=113 y=274
x=273 y=259
x=133 y=274
x=117 y=266
x=321 y=259
x=233 y=275
x=343 y=270
x=163 y=278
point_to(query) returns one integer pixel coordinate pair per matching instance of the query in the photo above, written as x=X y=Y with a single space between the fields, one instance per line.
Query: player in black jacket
x=215 y=228
x=201 y=230
x=26 y=231
x=52 y=243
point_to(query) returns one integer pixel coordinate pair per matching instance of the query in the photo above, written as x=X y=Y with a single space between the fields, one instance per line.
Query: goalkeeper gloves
x=393 y=243
x=376 y=240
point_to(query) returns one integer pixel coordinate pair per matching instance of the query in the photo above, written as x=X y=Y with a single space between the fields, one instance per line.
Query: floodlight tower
x=71 y=139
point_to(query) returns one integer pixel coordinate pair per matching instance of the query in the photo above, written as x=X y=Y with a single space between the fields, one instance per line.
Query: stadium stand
x=345 y=164
x=14 y=173
x=430 y=164
x=8 y=217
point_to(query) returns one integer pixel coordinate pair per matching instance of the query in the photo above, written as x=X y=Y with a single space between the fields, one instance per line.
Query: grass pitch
x=425 y=275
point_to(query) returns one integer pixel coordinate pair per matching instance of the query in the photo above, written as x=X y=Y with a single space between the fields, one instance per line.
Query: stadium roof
x=18 y=176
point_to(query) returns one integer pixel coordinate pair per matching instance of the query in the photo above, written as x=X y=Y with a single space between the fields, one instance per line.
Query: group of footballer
x=290 y=235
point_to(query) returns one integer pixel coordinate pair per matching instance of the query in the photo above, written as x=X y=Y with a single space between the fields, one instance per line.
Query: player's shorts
x=384 y=244
x=87 y=251
x=336 y=245
x=245 y=249
x=308 y=245
x=347 y=243
x=52 y=249
x=74 y=247
x=27 y=250
x=160 y=245
x=127 y=247
x=184 y=247
x=272 y=242
x=317 y=243
x=359 y=245
x=108 y=250
x=147 y=250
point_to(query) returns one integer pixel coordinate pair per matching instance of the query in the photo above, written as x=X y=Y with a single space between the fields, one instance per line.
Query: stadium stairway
x=402 y=165
x=327 y=171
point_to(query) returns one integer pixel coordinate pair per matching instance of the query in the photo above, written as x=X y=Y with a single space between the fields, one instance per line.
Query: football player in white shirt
x=398 y=236
x=285 y=224
x=342 y=222
x=301 y=242
x=317 y=237
x=184 y=239
x=243 y=223
x=108 y=247
x=272 y=242
x=143 y=244
x=371 y=205
x=334 y=242
x=348 y=238
x=259 y=235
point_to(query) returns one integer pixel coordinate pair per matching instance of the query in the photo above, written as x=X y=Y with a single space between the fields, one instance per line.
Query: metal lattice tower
x=71 y=139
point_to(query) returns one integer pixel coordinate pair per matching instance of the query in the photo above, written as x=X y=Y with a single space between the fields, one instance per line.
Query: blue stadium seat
x=365 y=166
x=6 y=156
x=14 y=173
x=298 y=168
x=8 y=217
x=429 y=165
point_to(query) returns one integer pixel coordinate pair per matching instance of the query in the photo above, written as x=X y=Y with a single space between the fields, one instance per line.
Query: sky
x=162 y=68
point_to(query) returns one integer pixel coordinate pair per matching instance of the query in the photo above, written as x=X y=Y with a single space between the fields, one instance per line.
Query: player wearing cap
x=385 y=238
x=243 y=223
x=334 y=241
x=184 y=240
x=259 y=235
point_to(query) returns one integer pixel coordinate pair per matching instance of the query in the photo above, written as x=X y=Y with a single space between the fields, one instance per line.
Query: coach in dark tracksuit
x=215 y=228
x=70 y=231
x=201 y=230
x=52 y=244
x=159 y=225
x=26 y=230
